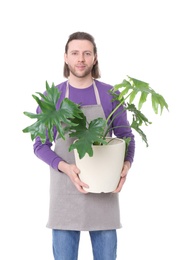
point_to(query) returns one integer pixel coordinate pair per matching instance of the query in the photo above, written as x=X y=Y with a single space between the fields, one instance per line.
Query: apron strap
x=67 y=90
x=96 y=92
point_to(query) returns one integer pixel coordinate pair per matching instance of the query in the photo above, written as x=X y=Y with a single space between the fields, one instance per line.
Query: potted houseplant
x=70 y=119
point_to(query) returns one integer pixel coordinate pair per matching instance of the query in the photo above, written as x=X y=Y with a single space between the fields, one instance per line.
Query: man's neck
x=80 y=82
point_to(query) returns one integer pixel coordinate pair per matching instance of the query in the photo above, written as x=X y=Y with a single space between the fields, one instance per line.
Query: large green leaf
x=49 y=100
x=137 y=128
x=49 y=116
x=87 y=134
x=131 y=87
x=138 y=119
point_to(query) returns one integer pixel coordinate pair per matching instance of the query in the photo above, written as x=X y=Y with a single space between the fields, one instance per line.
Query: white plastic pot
x=102 y=171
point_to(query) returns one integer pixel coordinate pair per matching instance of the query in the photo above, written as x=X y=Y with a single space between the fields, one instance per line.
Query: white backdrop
x=136 y=38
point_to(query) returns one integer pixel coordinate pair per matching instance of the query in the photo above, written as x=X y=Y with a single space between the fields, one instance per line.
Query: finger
x=80 y=188
x=120 y=185
x=79 y=182
x=76 y=170
x=124 y=171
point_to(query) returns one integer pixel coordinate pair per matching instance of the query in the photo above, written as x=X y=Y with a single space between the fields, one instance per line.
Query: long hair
x=82 y=36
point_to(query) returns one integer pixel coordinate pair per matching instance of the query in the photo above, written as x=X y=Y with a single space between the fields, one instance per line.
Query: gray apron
x=71 y=210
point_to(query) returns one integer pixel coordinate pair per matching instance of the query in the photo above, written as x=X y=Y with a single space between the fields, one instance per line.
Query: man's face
x=80 y=58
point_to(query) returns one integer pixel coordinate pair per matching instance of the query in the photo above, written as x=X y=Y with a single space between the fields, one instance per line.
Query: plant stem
x=120 y=104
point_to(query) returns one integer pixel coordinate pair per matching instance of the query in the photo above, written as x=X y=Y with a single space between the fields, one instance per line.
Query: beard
x=80 y=74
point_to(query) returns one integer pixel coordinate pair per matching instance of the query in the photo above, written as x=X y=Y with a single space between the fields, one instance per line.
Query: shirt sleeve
x=46 y=154
x=124 y=131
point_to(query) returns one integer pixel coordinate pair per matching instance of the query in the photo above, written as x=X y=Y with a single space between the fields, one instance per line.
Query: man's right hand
x=73 y=172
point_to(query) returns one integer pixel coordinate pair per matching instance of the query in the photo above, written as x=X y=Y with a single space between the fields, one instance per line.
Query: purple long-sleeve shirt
x=86 y=96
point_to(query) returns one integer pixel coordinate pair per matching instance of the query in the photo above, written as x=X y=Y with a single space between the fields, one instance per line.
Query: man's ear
x=65 y=58
x=95 y=60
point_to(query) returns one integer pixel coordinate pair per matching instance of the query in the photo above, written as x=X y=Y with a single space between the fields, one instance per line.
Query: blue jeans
x=66 y=244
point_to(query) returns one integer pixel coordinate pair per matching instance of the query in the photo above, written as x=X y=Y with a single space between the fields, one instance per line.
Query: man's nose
x=81 y=57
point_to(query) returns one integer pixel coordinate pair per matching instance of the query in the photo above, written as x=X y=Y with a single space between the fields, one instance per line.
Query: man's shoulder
x=61 y=86
x=102 y=85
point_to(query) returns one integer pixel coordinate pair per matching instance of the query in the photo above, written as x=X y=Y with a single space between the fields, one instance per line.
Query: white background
x=136 y=38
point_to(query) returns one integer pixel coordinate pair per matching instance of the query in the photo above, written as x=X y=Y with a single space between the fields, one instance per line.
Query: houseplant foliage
x=70 y=119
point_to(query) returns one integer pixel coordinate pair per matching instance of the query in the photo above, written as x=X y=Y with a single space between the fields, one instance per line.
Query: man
x=72 y=209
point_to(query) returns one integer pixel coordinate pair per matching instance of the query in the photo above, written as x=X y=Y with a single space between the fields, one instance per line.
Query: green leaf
x=50 y=117
x=132 y=96
x=138 y=119
x=142 y=100
x=132 y=87
x=87 y=134
x=136 y=127
x=158 y=101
